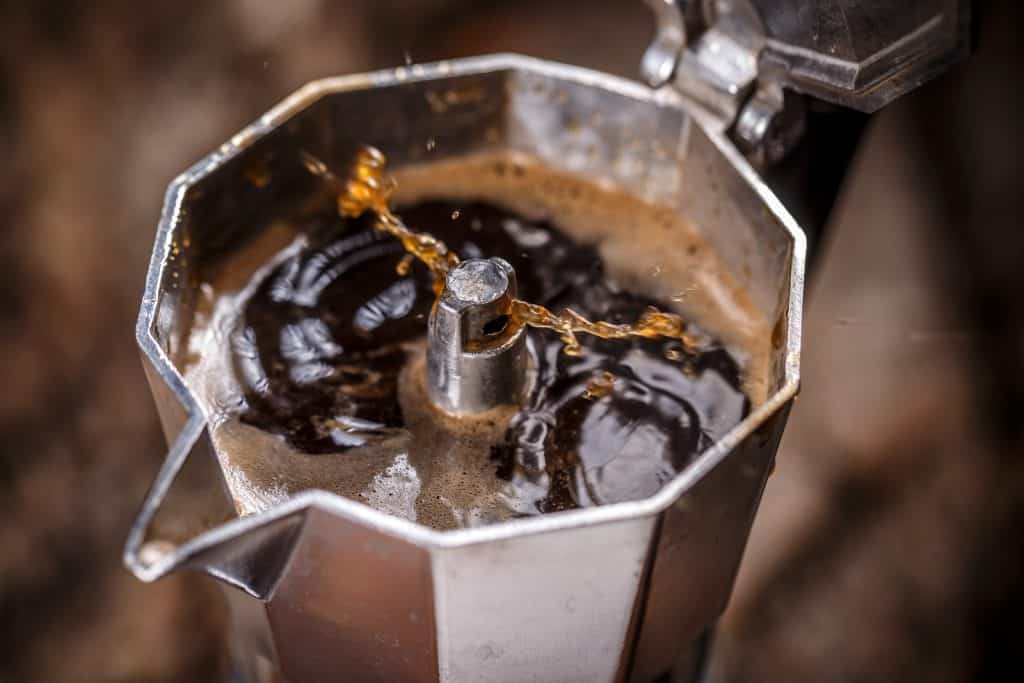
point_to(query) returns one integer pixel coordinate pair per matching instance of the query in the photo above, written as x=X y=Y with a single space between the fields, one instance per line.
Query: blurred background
x=888 y=545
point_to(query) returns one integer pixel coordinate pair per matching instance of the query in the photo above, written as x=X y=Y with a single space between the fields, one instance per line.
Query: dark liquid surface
x=322 y=350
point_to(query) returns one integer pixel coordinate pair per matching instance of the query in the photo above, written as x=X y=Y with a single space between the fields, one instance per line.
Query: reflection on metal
x=769 y=124
x=719 y=72
x=859 y=54
x=328 y=585
x=658 y=64
x=863 y=54
x=473 y=363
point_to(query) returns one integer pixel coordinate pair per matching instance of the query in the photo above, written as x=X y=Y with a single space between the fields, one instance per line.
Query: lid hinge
x=715 y=63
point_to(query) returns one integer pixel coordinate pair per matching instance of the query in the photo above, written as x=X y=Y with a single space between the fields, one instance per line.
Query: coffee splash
x=369 y=188
x=310 y=359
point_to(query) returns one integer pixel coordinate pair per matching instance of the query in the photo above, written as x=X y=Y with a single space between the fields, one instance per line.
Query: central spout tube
x=476 y=359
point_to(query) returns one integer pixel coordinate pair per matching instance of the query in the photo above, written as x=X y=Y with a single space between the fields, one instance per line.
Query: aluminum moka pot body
x=323 y=588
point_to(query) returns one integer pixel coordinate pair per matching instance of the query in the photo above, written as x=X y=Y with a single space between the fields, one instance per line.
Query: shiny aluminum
x=858 y=54
x=735 y=57
x=472 y=366
x=658 y=64
x=325 y=588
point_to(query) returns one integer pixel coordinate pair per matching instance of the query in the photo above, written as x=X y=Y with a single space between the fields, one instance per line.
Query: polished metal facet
x=735 y=57
x=473 y=363
x=860 y=54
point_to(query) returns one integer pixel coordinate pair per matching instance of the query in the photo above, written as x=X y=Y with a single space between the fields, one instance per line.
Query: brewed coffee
x=312 y=372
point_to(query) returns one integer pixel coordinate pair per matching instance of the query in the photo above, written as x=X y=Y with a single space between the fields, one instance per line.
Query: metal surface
x=858 y=54
x=718 y=71
x=325 y=587
x=769 y=125
x=658 y=64
x=472 y=365
x=861 y=54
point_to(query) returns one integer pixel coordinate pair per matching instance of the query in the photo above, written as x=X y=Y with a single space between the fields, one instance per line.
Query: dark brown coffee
x=325 y=338
x=307 y=352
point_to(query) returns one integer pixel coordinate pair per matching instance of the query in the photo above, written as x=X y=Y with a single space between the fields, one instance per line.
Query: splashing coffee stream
x=369 y=189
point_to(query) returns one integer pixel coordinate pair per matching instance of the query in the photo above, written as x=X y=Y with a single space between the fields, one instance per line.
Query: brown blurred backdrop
x=888 y=544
